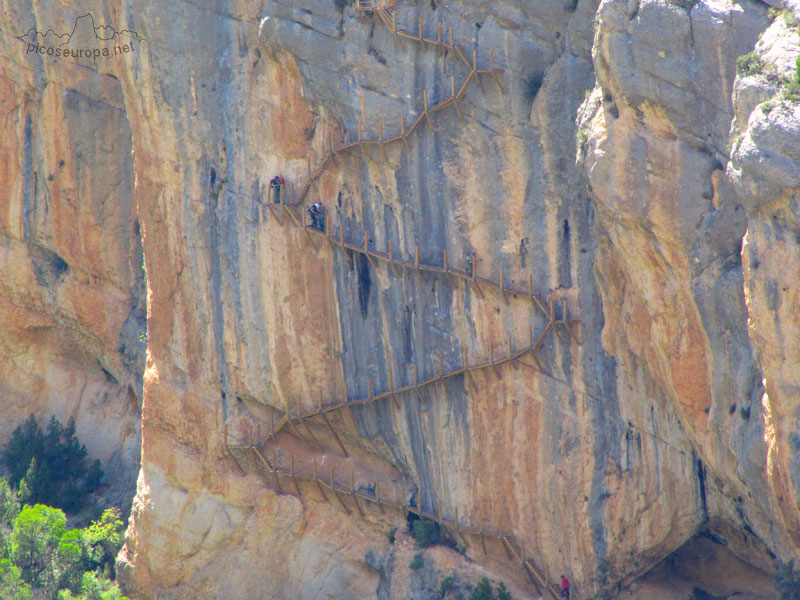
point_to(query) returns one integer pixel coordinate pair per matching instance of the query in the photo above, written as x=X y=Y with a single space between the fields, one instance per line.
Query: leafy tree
x=103 y=539
x=53 y=558
x=72 y=559
x=12 y=586
x=34 y=545
x=9 y=505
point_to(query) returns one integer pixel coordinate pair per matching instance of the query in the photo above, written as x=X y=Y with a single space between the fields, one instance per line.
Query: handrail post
x=403 y=131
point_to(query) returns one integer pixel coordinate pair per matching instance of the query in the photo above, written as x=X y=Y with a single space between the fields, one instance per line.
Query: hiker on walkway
x=277 y=184
x=317 y=213
x=470 y=261
x=564 y=588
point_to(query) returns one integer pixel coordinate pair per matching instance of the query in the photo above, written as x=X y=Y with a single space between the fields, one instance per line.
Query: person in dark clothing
x=564 y=588
x=470 y=256
x=277 y=184
x=317 y=213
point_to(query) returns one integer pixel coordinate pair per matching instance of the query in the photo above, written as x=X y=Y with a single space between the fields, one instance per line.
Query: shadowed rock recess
x=556 y=307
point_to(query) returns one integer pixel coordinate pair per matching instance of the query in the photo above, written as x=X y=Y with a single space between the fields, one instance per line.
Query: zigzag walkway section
x=294 y=421
x=297 y=419
x=274 y=473
x=390 y=19
x=397 y=262
x=458 y=529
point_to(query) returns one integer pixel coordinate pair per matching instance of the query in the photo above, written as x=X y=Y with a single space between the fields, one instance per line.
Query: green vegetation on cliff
x=39 y=555
x=50 y=468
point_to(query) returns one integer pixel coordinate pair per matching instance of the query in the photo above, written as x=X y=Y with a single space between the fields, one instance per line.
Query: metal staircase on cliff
x=294 y=421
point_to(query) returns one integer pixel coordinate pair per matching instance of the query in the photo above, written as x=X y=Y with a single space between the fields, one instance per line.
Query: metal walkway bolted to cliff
x=303 y=473
x=391 y=498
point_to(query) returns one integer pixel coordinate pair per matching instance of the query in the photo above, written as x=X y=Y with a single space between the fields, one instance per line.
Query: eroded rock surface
x=664 y=428
x=72 y=292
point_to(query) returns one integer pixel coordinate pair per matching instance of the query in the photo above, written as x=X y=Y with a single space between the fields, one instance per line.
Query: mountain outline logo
x=92 y=39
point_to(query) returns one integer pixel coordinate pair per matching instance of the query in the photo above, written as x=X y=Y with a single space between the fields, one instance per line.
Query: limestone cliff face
x=763 y=177
x=662 y=425
x=72 y=306
x=668 y=143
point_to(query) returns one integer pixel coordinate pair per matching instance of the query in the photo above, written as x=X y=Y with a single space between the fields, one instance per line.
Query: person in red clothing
x=564 y=588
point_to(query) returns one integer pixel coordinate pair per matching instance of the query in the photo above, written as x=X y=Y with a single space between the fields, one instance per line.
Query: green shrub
x=749 y=64
x=448 y=585
x=788 y=17
x=50 y=468
x=484 y=591
x=94 y=587
x=425 y=532
x=791 y=85
x=418 y=562
x=502 y=592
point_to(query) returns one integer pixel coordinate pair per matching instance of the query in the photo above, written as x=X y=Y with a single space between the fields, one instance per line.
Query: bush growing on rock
x=749 y=64
x=425 y=532
x=484 y=591
x=791 y=86
x=418 y=562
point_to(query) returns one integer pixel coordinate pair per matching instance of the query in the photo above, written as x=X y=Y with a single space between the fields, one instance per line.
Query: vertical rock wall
x=72 y=307
x=621 y=450
x=666 y=422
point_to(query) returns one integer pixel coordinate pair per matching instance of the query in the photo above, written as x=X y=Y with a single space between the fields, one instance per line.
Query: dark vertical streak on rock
x=701 y=484
x=27 y=176
x=215 y=291
x=364 y=284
